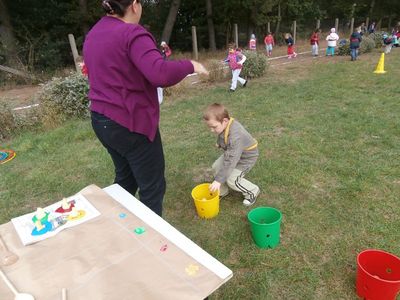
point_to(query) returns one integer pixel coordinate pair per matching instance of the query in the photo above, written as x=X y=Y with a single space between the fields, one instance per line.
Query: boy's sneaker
x=231 y=90
x=245 y=83
x=248 y=201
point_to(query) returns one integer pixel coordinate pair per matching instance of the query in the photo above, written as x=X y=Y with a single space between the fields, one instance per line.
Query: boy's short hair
x=215 y=111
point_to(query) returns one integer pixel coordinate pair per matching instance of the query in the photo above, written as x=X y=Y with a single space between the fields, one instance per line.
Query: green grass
x=329 y=136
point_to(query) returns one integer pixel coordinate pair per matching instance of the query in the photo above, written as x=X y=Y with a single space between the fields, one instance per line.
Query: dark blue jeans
x=354 y=53
x=139 y=163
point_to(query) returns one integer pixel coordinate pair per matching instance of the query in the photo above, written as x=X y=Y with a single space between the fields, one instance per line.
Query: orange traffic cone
x=380 y=68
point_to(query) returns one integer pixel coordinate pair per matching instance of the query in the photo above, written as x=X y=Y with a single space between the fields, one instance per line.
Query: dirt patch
x=19 y=96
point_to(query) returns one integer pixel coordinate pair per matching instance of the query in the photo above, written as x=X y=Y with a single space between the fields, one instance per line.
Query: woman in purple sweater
x=125 y=68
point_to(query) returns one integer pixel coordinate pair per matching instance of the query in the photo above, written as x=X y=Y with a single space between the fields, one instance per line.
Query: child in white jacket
x=331 y=38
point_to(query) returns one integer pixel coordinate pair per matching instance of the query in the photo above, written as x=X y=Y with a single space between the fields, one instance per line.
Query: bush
x=7 y=121
x=179 y=89
x=367 y=44
x=64 y=98
x=378 y=38
x=255 y=64
x=344 y=49
x=218 y=70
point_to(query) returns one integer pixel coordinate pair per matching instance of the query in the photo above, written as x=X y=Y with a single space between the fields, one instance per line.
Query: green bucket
x=265 y=225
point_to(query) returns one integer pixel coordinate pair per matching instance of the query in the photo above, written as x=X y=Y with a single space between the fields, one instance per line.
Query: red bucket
x=378 y=275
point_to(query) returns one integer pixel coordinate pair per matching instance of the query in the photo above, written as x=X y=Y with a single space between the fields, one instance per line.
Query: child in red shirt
x=314 y=41
x=269 y=42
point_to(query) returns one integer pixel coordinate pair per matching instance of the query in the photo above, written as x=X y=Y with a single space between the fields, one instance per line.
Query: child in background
x=290 y=45
x=387 y=41
x=79 y=61
x=314 y=41
x=253 y=43
x=269 y=42
x=371 y=28
x=355 y=40
x=395 y=40
x=166 y=50
x=236 y=60
x=331 y=38
x=363 y=28
x=240 y=154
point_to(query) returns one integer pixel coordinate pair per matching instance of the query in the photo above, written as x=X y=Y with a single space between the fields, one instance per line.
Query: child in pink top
x=235 y=60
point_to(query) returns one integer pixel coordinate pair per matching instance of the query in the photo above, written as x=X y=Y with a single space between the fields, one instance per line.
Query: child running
x=236 y=60
x=240 y=154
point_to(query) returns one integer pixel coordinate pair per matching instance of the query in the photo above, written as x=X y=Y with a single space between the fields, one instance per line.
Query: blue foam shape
x=47 y=228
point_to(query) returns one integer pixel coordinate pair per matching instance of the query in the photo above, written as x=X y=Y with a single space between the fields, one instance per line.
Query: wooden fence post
x=336 y=24
x=352 y=26
x=194 y=43
x=74 y=51
x=236 y=35
x=379 y=25
x=294 y=31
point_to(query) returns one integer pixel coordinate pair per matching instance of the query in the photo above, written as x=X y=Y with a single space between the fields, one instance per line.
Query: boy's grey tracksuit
x=240 y=155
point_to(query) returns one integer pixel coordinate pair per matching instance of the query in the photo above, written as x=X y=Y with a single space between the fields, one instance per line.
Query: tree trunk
x=169 y=24
x=84 y=13
x=7 y=36
x=371 y=9
x=379 y=25
x=228 y=34
x=211 y=31
x=278 y=23
x=390 y=23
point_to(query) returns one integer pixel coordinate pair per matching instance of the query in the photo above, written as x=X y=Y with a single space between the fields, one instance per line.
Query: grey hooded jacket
x=240 y=150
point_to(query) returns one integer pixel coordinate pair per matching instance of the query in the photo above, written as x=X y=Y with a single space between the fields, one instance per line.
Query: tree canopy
x=34 y=33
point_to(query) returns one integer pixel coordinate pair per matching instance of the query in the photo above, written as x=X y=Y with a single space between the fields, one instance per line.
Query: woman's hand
x=199 y=68
x=215 y=186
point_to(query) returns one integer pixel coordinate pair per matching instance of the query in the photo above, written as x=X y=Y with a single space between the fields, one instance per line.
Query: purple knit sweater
x=125 y=68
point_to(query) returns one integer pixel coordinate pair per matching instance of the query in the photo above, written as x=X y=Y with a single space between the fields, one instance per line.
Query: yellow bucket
x=206 y=202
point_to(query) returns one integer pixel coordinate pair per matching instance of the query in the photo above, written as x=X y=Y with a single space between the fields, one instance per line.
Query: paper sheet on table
x=58 y=221
x=109 y=258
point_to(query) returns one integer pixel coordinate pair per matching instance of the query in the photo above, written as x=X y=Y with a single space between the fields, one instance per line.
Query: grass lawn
x=329 y=136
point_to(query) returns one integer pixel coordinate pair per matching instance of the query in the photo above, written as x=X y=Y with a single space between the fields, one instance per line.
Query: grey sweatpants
x=235 y=181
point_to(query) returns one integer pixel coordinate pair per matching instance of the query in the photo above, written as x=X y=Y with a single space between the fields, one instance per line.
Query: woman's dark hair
x=116 y=7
